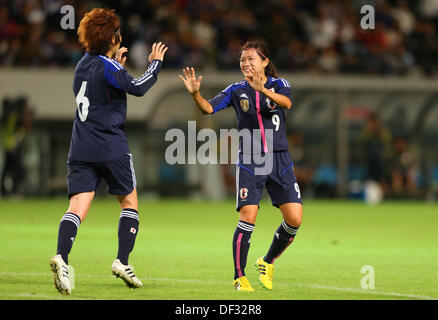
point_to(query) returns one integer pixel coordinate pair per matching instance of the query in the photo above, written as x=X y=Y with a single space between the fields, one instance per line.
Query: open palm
x=192 y=83
x=157 y=52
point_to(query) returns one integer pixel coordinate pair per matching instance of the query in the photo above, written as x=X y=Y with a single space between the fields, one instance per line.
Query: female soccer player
x=260 y=102
x=98 y=147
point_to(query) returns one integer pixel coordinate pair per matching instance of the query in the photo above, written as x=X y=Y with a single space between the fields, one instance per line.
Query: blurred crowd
x=304 y=35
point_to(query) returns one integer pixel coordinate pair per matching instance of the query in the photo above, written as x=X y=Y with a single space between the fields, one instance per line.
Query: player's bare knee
x=128 y=204
x=81 y=213
x=248 y=214
x=129 y=201
x=80 y=204
x=294 y=221
x=293 y=215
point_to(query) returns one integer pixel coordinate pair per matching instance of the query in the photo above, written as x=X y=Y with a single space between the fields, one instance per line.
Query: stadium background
x=341 y=75
x=365 y=109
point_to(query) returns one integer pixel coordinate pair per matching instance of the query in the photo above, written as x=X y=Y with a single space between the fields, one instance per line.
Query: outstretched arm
x=193 y=86
x=119 y=77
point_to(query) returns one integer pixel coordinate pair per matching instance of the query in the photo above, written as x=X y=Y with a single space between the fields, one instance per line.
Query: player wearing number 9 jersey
x=99 y=147
x=260 y=102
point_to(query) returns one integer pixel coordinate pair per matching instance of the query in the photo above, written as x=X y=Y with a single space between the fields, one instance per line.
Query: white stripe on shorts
x=131 y=163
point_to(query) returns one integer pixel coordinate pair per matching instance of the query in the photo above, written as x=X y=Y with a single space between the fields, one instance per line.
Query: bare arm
x=279 y=99
x=193 y=85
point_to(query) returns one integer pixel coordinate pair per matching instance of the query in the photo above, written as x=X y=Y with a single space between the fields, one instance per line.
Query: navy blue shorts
x=86 y=176
x=279 y=180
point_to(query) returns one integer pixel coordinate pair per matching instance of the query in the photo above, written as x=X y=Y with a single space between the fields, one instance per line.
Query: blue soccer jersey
x=255 y=111
x=100 y=86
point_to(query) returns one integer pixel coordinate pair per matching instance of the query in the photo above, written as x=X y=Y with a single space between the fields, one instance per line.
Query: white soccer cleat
x=126 y=272
x=60 y=274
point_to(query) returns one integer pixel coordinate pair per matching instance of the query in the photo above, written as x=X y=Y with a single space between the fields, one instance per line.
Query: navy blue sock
x=241 y=243
x=68 y=228
x=283 y=237
x=128 y=229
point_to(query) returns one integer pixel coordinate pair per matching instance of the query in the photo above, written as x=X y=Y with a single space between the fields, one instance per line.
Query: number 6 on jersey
x=82 y=99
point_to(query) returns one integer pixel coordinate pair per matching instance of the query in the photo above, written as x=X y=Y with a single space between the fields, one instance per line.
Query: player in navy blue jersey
x=260 y=102
x=99 y=147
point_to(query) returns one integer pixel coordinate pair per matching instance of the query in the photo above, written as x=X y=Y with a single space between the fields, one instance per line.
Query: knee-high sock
x=68 y=228
x=283 y=237
x=127 y=232
x=241 y=243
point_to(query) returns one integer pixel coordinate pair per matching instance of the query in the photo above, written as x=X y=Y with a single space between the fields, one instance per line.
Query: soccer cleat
x=266 y=271
x=242 y=284
x=126 y=272
x=60 y=274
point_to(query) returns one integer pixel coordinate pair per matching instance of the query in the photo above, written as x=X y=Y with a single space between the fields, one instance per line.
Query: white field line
x=314 y=286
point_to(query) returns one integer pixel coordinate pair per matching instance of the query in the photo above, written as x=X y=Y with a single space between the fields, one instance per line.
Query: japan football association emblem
x=243 y=193
x=244 y=102
x=268 y=101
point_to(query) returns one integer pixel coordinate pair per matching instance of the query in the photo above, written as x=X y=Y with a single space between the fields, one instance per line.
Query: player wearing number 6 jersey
x=260 y=102
x=99 y=147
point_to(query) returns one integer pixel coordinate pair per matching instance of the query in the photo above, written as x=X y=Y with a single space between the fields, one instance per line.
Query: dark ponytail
x=262 y=51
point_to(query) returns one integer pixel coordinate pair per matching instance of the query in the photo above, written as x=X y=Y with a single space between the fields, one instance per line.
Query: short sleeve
x=283 y=87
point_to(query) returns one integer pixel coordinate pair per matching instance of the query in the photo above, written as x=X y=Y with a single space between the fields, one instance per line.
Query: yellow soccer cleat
x=242 y=284
x=266 y=271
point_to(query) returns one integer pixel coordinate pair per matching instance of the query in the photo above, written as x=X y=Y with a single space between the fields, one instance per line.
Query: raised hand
x=192 y=83
x=119 y=56
x=256 y=81
x=157 y=52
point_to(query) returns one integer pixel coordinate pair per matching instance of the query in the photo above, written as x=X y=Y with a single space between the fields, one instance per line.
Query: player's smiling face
x=250 y=61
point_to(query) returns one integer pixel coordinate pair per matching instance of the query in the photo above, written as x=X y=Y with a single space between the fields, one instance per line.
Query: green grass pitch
x=183 y=251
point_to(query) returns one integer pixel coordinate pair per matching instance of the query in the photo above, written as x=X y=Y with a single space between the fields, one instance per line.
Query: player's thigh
x=292 y=213
x=82 y=177
x=129 y=201
x=286 y=195
x=119 y=174
x=288 y=200
x=80 y=203
x=249 y=188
